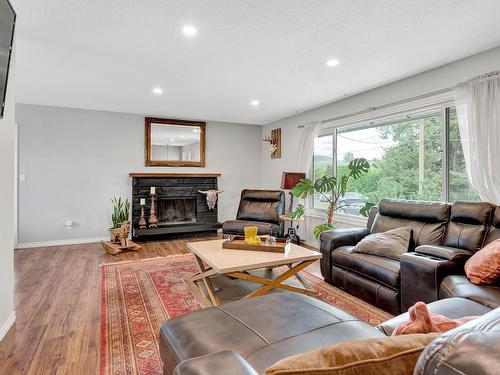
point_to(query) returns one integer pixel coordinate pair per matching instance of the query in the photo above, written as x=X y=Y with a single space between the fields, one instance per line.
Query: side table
x=292 y=230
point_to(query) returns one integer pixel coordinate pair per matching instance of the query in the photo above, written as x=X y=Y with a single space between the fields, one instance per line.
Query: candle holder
x=153 y=221
x=142 y=221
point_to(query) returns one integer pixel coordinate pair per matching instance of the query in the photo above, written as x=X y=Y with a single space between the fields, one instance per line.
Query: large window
x=415 y=156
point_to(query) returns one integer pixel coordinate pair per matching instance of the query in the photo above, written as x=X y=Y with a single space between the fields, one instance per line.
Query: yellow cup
x=251 y=235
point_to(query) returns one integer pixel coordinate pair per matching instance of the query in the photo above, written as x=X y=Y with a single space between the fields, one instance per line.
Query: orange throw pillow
x=484 y=266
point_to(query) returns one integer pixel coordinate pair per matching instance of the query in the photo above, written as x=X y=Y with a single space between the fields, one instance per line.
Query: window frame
x=442 y=102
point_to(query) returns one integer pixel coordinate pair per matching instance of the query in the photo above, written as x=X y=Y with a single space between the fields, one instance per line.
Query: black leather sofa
x=443 y=237
x=245 y=337
x=260 y=208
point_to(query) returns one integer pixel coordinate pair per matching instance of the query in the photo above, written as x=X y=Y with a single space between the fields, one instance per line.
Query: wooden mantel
x=145 y=174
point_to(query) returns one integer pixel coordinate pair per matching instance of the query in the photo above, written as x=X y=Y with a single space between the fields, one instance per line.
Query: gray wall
x=7 y=210
x=76 y=160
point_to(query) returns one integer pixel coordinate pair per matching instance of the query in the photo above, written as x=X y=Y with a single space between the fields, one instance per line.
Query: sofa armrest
x=421 y=277
x=335 y=238
x=225 y=362
x=444 y=252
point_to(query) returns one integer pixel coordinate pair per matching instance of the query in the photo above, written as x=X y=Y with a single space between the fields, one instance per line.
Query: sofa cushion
x=383 y=270
x=390 y=244
x=468 y=224
x=484 y=266
x=454 y=308
x=236 y=227
x=460 y=286
x=469 y=349
x=426 y=219
x=262 y=330
x=388 y=355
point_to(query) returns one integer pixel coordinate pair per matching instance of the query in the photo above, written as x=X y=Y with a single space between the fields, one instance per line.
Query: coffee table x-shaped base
x=210 y=298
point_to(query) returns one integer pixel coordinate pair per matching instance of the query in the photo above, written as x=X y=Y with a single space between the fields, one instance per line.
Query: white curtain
x=304 y=161
x=478 y=110
x=306 y=146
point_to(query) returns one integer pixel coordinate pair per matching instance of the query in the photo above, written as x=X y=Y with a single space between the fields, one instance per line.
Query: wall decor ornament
x=212 y=196
x=275 y=142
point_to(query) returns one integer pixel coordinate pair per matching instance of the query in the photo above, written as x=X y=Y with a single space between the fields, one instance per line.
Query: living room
x=244 y=187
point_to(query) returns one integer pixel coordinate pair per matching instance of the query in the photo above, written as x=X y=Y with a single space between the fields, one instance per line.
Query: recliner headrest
x=495 y=220
x=430 y=212
x=477 y=213
x=262 y=195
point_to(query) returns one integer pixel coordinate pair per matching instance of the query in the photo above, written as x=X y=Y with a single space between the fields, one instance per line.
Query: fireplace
x=176 y=211
x=180 y=207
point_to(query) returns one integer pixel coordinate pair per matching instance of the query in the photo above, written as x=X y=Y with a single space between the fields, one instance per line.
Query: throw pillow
x=390 y=244
x=388 y=355
x=421 y=321
x=484 y=266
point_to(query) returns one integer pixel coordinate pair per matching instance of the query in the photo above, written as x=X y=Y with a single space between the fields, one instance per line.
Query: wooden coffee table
x=214 y=261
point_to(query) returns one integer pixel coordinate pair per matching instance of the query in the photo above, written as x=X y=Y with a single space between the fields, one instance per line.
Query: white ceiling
x=109 y=54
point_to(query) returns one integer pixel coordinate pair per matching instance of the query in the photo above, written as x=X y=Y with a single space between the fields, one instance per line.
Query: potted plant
x=120 y=216
x=331 y=190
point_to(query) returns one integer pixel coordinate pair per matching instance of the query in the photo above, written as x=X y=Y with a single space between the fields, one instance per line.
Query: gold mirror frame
x=174 y=163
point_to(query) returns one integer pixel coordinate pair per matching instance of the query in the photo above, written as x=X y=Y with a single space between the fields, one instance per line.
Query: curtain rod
x=383 y=106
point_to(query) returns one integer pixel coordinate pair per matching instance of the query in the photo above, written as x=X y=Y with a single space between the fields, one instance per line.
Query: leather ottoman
x=262 y=330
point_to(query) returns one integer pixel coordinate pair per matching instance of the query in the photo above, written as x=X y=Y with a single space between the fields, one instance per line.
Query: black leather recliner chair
x=260 y=208
x=443 y=237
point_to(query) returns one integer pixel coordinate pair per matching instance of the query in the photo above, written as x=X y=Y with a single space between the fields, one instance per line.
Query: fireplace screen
x=176 y=211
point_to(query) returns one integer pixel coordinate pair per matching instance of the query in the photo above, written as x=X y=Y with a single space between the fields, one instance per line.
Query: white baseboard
x=7 y=325
x=70 y=241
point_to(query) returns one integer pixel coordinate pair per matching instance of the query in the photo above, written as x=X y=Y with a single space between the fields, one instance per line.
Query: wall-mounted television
x=7 y=25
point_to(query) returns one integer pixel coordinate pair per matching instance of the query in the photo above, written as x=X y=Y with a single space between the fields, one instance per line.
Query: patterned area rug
x=138 y=296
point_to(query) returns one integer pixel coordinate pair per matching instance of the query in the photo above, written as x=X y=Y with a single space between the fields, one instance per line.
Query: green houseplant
x=121 y=214
x=331 y=189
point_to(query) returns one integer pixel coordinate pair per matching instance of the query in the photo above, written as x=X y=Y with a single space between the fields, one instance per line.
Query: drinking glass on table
x=271 y=240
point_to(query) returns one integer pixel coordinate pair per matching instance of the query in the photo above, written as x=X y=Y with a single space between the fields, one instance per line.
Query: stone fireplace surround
x=180 y=208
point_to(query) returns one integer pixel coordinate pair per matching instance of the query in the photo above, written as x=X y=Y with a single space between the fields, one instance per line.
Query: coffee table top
x=229 y=260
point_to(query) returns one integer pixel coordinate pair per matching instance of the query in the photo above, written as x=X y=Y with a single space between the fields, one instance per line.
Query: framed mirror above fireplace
x=174 y=143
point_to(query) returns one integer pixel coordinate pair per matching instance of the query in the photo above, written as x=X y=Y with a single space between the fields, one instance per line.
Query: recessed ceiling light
x=182 y=136
x=157 y=91
x=189 y=30
x=332 y=62
x=171 y=139
x=255 y=103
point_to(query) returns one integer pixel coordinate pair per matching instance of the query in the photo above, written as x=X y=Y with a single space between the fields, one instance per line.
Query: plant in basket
x=120 y=217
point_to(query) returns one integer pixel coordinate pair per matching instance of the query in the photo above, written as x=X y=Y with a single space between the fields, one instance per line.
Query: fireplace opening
x=176 y=211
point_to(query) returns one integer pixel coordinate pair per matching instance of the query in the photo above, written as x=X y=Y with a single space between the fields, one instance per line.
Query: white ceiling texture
x=110 y=54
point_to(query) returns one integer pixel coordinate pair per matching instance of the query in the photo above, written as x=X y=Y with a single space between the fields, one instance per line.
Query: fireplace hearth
x=180 y=208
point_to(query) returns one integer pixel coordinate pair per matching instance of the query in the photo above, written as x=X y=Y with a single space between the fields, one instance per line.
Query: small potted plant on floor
x=120 y=216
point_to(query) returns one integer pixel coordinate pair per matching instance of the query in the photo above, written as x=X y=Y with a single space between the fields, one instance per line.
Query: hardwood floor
x=58 y=295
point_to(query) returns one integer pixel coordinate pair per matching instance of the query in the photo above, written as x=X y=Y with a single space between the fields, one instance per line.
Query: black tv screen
x=7 y=24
